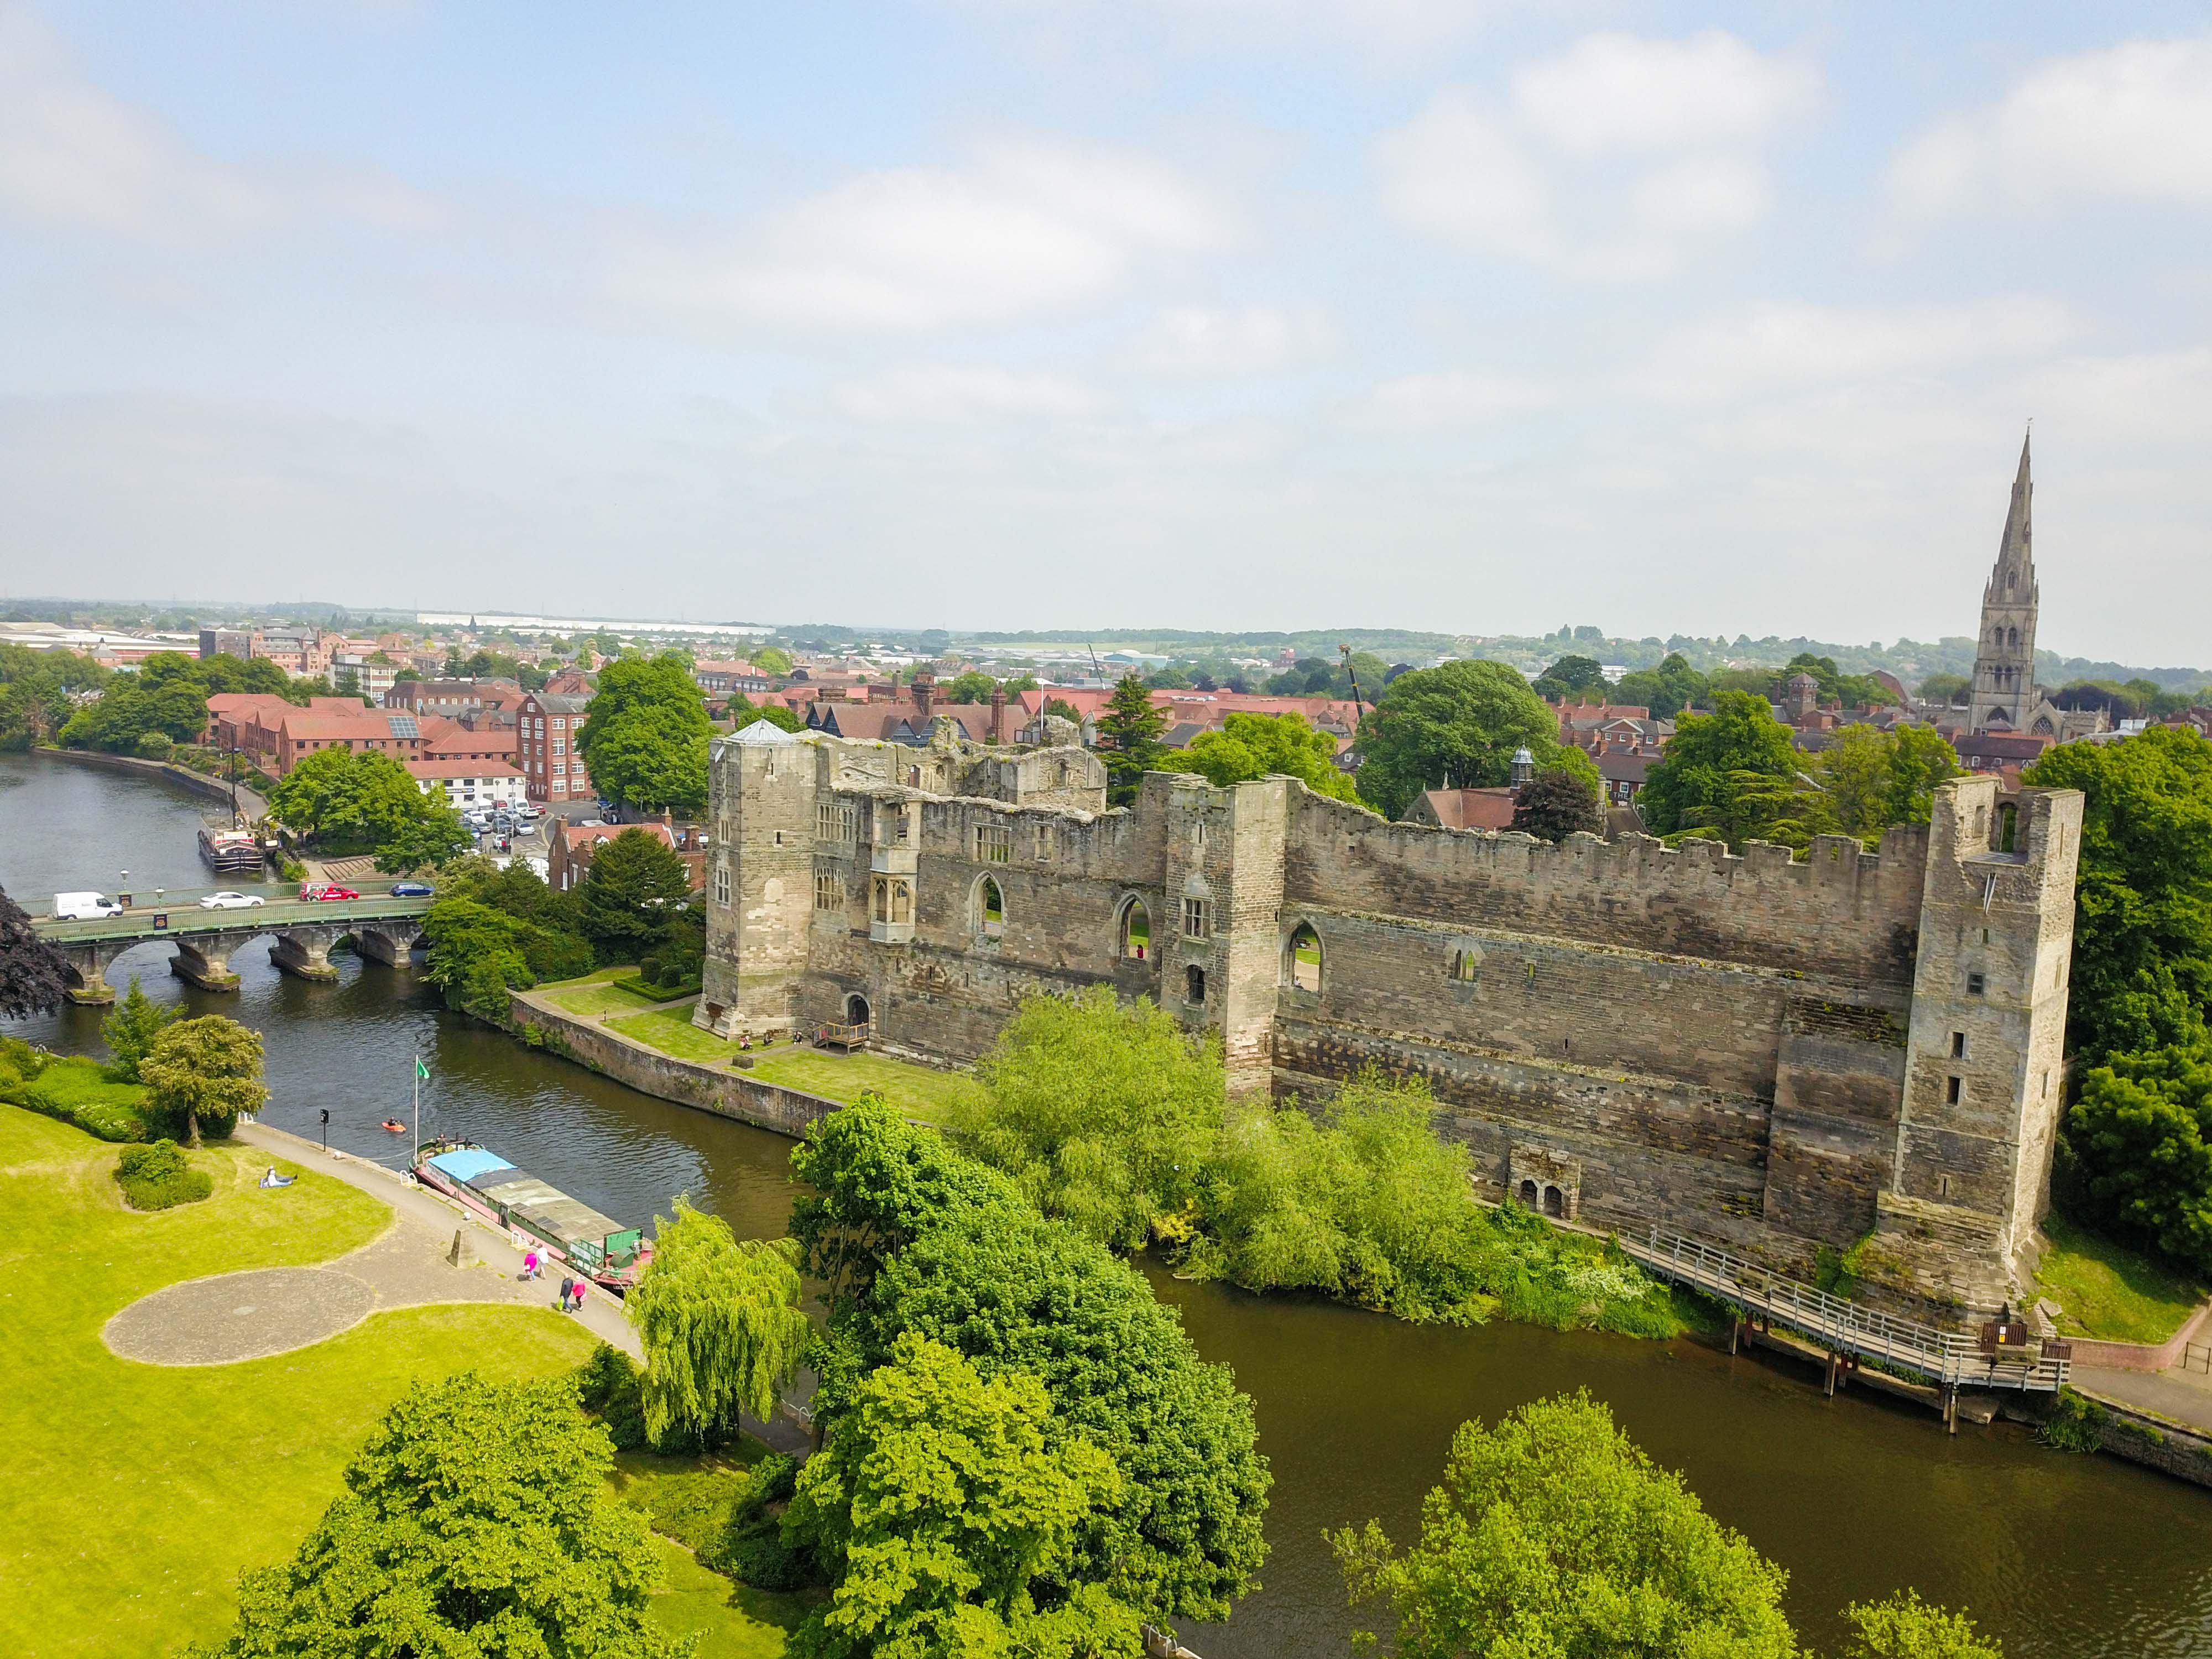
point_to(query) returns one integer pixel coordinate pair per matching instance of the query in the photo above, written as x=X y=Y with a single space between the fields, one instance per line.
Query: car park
x=231 y=902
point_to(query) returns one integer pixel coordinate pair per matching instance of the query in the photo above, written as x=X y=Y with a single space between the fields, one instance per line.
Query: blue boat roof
x=469 y=1163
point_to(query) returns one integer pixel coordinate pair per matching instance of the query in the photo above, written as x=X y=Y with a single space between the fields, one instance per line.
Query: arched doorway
x=1136 y=931
x=1555 y=1202
x=856 y=1010
x=990 y=909
x=1529 y=1195
x=1302 y=958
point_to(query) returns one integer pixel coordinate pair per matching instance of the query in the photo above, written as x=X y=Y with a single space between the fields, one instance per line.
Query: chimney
x=998 y=713
x=925 y=686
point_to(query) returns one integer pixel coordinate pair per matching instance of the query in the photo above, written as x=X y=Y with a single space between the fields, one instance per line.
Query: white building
x=353 y=672
x=469 y=783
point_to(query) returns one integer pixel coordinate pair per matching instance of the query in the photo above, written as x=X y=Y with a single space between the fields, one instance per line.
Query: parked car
x=411 y=889
x=329 y=895
x=231 y=902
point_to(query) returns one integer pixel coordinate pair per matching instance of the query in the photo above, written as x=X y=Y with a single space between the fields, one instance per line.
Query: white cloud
x=1616 y=159
x=946 y=394
x=1390 y=28
x=1454 y=398
x=2133 y=123
x=1026 y=226
x=1203 y=341
x=1781 y=342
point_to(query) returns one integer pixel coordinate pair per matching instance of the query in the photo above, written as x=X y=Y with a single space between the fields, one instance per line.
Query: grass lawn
x=2110 y=1290
x=687 y=1501
x=594 y=994
x=670 y=1030
x=738 y=1622
x=922 y=1093
x=134 y=1494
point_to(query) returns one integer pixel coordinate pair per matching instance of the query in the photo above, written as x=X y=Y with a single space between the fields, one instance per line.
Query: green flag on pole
x=420 y=1070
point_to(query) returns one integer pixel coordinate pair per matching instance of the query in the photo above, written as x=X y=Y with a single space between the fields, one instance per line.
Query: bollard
x=460 y=1248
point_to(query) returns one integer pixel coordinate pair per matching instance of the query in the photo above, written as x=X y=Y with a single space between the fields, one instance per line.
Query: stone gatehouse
x=1770 y=1051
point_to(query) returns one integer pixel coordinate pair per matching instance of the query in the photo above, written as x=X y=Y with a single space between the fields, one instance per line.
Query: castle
x=1778 y=1053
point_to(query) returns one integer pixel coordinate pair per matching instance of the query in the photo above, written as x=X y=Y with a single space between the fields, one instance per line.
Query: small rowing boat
x=534 y=1212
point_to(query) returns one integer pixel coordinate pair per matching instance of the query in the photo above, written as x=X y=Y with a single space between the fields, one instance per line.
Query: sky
x=1478 y=318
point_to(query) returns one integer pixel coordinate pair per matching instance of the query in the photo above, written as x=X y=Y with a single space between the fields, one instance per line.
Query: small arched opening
x=1136 y=931
x=990 y=909
x=2012 y=638
x=1555 y=1202
x=2007 y=827
x=1463 y=966
x=1302 y=958
x=1194 y=986
x=856 y=1010
x=1529 y=1195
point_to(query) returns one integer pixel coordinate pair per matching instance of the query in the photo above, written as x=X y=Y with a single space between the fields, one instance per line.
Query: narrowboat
x=230 y=852
x=535 y=1212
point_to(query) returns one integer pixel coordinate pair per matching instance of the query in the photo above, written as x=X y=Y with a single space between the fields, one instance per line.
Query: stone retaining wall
x=706 y=1088
x=198 y=783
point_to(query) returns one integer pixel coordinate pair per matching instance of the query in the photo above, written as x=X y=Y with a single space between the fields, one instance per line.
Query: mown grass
x=920 y=1093
x=2105 y=1290
x=594 y=994
x=133 y=1494
x=687 y=1501
x=671 y=1031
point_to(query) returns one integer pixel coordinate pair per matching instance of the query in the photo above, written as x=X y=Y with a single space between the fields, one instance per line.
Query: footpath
x=2182 y=1396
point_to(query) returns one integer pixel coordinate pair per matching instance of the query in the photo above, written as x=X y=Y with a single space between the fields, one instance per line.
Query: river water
x=2059 y=1556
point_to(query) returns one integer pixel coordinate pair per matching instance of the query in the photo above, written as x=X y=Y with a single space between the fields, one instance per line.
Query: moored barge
x=534 y=1212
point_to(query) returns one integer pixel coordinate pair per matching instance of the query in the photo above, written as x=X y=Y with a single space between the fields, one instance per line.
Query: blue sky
x=1188 y=312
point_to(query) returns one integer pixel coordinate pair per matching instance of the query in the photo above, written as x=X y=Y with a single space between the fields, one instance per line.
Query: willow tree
x=721 y=1323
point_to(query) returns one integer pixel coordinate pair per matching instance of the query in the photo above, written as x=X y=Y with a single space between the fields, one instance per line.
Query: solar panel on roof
x=403 y=726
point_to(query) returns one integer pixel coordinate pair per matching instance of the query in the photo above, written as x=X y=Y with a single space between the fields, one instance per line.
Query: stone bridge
x=380 y=927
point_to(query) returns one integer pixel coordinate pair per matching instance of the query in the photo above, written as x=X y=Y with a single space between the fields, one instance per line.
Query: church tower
x=2004 y=663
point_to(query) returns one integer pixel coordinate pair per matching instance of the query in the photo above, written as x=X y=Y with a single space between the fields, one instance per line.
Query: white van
x=84 y=907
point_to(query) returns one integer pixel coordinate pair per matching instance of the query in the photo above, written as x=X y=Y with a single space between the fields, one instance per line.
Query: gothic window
x=2012 y=638
x=1136 y=931
x=825 y=892
x=1044 y=844
x=1463 y=964
x=2012 y=580
x=1301 y=963
x=835 y=821
x=1195 y=920
x=990 y=909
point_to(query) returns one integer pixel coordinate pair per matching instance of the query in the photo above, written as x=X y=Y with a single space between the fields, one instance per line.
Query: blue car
x=410 y=889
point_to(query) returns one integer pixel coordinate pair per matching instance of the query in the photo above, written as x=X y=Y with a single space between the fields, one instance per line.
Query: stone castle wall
x=1748 y=1047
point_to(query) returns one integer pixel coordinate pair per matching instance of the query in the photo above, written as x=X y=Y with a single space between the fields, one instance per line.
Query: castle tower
x=2004 y=662
x=760 y=870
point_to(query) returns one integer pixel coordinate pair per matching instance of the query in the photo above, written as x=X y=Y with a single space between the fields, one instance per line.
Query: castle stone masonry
x=1775 y=1054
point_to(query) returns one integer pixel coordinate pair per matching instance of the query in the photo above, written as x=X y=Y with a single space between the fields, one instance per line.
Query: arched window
x=2012 y=580
x=1136 y=931
x=1529 y=1195
x=1463 y=966
x=990 y=909
x=1302 y=958
x=2012 y=638
x=1555 y=1202
x=1194 y=986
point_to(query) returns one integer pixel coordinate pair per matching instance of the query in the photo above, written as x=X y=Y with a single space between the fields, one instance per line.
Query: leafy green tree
x=1460 y=721
x=1554 y=1534
x=1946 y=688
x=1249 y=746
x=1872 y=779
x=475 y=1522
x=1903 y=1626
x=1666 y=691
x=1100 y=1112
x=950 y=1520
x=209 y=1069
x=637 y=882
x=2140 y=1141
x=344 y=800
x=970 y=687
x=474 y=954
x=743 y=711
x=1129 y=729
x=772 y=660
x=33 y=975
x=721 y=1324
x=1572 y=679
x=644 y=737
x=1735 y=769
x=1065 y=709
x=1557 y=803
x=2142 y=970
x=132 y=1030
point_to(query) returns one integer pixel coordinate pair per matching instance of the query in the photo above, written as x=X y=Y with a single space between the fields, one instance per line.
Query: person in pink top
x=530 y=1264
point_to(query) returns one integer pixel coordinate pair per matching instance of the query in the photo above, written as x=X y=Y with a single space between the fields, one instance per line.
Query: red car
x=327 y=895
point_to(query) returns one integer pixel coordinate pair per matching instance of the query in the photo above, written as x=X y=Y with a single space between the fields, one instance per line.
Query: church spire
x=2013 y=582
x=2004 y=670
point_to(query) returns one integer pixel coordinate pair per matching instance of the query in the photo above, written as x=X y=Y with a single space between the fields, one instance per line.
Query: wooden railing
x=1842 y=1325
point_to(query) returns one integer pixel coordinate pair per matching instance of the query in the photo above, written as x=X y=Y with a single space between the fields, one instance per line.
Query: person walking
x=580 y=1294
x=530 y=1264
x=567 y=1285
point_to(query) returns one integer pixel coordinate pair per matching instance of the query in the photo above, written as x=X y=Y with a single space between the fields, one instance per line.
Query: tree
x=344 y=800
x=970 y=687
x=645 y=738
x=1666 y=691
x=33 y=975
x=1461 y=721
x=475 y=1521
x=1946 y=689
x=1554 y=1534
x=1065 y=709
x=636 y=882
x=2140 y=1143
x=208 y=1069
x=1557 y=803
x=1572 y=679
x=476 y=954
x=1100 y=1112
x=949 y=1520
x=772 y=660
x=1129 y=731
x=2142 y=970
x=1903 y=1626
x=1732 y=772
x=721 y=1324
x=1249 y=746
x=132 y=1030
x=743 y=711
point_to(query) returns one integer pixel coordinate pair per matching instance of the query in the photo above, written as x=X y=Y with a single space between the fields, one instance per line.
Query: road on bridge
x=179 y=915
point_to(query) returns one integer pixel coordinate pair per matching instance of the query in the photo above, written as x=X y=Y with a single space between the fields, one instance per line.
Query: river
x=2062 y=1557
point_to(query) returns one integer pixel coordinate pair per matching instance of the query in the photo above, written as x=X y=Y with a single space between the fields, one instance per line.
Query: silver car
x=231 y=902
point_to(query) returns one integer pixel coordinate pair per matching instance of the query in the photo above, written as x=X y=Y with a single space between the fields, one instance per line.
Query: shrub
x=157 y=1177
x=76 y=1091
x=155 y=745
x=611 y=1386
x=2076 y=1423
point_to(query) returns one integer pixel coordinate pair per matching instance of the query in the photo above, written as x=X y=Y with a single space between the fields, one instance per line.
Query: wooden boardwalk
x=1946 y=1359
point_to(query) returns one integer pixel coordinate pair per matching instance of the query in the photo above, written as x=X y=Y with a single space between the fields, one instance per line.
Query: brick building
x=546 y=748
x=570 y=847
